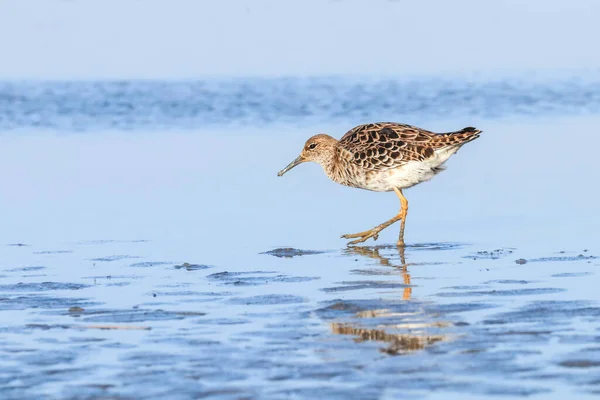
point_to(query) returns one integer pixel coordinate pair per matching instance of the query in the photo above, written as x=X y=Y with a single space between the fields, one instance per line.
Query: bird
x=383 y=157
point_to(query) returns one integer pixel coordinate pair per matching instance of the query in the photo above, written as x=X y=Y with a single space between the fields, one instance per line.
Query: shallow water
x=175 y=263
x=361 y=323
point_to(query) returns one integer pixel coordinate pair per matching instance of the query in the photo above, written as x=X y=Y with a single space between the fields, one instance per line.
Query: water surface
x=170 y=260
x=289 y=101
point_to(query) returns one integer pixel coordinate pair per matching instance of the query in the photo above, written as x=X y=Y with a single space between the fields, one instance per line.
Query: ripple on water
x=578 y=257
x=108 y=241
x=493 y=292
x=53 y=252
x=571 y=274
x=26 y=269
x=268 y=299
x=256 y=278
x=548 y=312
x=150 y=264
x=491 y=254
x=509 y=282
x=137 y=315
x=360 y=285
x=41 y=287
x=43 y=302
x=192 y=267
x=580 y=363
x=289 y=252
x=113 y=258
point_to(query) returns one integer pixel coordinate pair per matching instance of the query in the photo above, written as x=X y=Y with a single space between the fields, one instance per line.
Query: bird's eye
x=312 y=146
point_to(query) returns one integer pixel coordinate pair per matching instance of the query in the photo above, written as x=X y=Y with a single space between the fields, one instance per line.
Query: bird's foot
x=371 y=233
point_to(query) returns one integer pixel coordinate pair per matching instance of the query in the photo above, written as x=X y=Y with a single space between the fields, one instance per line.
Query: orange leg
x=374 y=233
x=403 y=212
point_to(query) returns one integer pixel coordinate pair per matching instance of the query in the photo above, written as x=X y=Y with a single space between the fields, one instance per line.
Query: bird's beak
x=298 y=160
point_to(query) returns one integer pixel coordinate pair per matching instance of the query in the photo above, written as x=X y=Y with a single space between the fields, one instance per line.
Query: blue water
x=187 y=105
x=495 y=295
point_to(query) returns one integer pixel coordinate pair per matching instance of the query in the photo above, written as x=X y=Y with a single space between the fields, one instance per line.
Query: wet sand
x=144 y=263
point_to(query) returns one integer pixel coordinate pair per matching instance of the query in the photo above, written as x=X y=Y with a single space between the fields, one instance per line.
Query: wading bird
x=382 y=157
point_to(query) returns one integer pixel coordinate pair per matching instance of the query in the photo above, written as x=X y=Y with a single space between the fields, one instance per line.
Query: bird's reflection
x=398 y=343
x=403 y=329
x=374 y=253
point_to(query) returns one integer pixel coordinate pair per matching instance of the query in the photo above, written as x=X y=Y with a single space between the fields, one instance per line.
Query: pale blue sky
x=192 y=38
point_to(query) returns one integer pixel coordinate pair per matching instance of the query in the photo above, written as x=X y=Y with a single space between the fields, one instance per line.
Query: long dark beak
x=291 y=165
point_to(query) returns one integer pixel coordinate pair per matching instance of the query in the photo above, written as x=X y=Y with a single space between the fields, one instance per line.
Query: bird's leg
x=374 y=233
x=371 y=233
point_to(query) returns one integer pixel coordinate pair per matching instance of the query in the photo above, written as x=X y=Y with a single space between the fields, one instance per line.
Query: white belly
x=409 y=174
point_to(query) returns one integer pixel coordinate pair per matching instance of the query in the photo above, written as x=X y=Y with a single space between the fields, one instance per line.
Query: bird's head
x=319 y=148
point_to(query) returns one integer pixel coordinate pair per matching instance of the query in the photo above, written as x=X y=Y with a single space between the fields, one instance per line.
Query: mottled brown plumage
x=382 y=157
x=387 y=145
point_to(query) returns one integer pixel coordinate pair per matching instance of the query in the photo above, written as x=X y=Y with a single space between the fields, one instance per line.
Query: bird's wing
x=388 y=145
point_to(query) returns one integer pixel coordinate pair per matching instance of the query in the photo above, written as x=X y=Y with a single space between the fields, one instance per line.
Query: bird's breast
x=349 y=174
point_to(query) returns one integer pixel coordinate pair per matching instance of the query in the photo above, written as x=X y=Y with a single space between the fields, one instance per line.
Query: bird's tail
x=458 y=138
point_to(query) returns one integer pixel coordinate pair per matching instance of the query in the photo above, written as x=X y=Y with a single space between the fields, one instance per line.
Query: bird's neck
x=332 y=167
